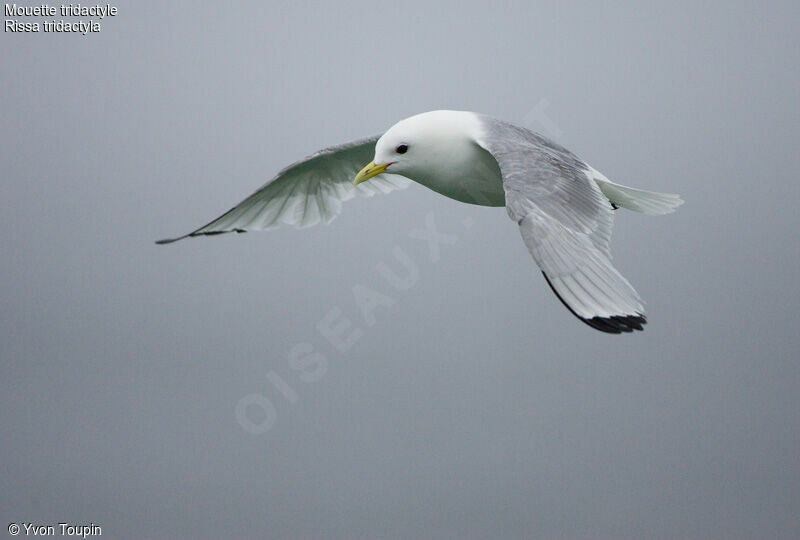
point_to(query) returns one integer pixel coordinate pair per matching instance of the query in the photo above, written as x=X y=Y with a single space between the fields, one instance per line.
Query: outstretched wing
x=566 y=222
x=304 y=193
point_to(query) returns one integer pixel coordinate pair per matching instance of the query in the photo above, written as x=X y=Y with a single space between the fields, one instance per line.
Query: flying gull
x=564 y=208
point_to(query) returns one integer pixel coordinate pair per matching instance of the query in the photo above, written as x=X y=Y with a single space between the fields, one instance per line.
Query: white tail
x=638 y=200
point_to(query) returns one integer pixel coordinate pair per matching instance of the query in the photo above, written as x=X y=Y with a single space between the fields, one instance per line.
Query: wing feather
x=565 y=221
x=305 y=193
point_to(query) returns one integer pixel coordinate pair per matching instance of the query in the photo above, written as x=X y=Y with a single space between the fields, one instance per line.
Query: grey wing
x=566 y=223
x=305 y=193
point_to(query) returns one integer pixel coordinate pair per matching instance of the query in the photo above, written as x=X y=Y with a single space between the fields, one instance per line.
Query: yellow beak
x=369 y=171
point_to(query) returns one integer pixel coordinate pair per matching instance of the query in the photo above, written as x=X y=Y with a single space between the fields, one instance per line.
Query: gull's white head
x=432 y=144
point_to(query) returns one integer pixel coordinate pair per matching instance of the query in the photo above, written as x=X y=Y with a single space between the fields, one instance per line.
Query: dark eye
x=402 y=149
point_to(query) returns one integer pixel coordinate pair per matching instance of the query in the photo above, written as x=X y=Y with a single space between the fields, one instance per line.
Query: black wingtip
x=611 y=325
x=617 y=324
x=169 y=240
x=190 y=235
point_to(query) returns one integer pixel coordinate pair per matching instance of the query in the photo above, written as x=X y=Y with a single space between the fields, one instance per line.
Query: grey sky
x=474 y=406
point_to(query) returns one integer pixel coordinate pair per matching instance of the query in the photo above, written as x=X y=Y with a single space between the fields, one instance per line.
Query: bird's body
x=563 y=206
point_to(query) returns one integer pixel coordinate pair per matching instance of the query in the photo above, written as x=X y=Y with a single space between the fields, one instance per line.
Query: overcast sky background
x=476 y=405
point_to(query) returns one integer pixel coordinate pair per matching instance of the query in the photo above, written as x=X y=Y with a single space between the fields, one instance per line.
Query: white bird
x=564 y=207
